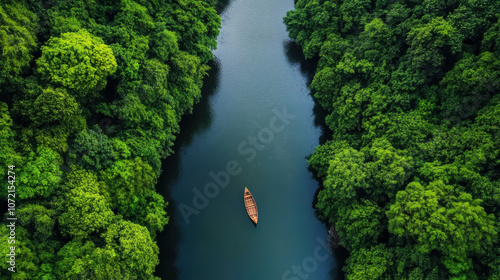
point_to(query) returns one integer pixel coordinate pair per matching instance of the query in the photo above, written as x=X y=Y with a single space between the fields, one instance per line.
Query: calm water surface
x=254 y=128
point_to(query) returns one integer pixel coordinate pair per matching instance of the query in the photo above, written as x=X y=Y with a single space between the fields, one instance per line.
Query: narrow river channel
x=254 y=128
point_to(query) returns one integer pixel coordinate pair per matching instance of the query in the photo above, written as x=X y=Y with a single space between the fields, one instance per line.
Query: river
x=254 y=127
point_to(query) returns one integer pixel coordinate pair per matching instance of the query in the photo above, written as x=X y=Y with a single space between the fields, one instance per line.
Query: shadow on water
x=295 y=55
x=221 y=6
x=192 y=124
x=200 y=120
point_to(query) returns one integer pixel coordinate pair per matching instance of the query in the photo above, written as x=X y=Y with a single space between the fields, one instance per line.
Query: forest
x=411 y=173
x=91 y=97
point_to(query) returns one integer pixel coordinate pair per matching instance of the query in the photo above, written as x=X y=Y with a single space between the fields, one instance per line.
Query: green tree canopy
x=78 y=61
x=17 y=38
x=53 y=106
x=92 y=150
x=86 y=210
x=369 y=263
x=136 y=253
x=439 y=218
x=40 y=175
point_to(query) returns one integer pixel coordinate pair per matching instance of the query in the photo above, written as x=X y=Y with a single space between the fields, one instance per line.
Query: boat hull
x=251 y=206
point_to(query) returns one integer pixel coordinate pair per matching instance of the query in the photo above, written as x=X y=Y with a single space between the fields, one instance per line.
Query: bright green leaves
x=131 y=189
x=346 y=174
x=413 y=200
x=86 y=210
x=389 y=168
x=137 y=67
x=324 y=81
x=40 y=175
x=320 y=159
x=127 y=252
x=196 y=25
x=54 y=115
x=186 y=80
x=374 y=173
x=411 y=93
x=354 y=13
x=469 y=85
x=135 y=251
x=38 y=220
x=17 y=38
x=369 y=263
x=77 y=61
x=7 y=153
x=27 y=261
x=430 y=43
x=73 y=260
x=165 y=45
x=53 y=106
x=309 y=24
x=129 y=179
x=134 y=17
x=439 y=218
x=360 y=225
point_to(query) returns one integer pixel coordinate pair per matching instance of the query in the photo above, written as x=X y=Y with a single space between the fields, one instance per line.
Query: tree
x=369 y=263
x=389 y=169
x=17 y=39
x=165 y=45
x=86 y=210
x=135 y=17
x=139 y=64
x=72 y=260
x=196 y=25
x=92 y=150
x=469 y=85
x=320 y=159
x=78 y=61
x=131 y=188
x=431 y=43
x=413 y=264
x=8 y=155
x=438 y=218
x=410 y=93
x=53 y=106
x=373 y=173
x=136 y=253
x=360 y=225
x=346 y=175
x=40 y=175
x=38 y=220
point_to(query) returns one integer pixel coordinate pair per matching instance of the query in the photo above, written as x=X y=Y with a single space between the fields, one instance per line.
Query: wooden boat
x=251 y=206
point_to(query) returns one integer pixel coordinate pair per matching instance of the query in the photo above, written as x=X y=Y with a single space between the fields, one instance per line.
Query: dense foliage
x=412 y=175
x=91 y=96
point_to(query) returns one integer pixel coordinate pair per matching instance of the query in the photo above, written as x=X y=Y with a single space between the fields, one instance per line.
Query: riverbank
x=412 y=101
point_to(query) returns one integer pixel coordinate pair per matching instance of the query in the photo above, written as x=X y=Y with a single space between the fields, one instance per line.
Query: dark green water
x=254 y=127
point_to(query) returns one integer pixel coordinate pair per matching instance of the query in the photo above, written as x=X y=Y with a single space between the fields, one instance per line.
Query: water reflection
x=295 y=55
x=212 y=247
x=221 y=6
x=191 y=125
x=200 y=120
